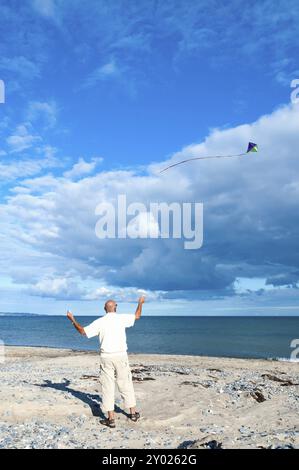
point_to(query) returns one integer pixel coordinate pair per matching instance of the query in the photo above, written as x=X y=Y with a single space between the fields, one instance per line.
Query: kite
x=252 y=147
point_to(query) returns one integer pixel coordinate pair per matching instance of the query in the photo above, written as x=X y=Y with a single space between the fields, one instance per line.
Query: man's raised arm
x=139 y=308
x=78 y=327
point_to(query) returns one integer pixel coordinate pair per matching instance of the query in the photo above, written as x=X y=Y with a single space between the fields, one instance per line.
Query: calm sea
x=248 y=337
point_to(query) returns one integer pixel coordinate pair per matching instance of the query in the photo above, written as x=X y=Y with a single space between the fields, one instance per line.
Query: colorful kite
x=252 y=147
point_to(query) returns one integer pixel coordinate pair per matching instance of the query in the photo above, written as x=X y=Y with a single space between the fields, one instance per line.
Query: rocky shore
x=51 y=398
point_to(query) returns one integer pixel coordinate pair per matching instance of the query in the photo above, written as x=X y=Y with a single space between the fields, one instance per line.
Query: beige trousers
x=117 y=369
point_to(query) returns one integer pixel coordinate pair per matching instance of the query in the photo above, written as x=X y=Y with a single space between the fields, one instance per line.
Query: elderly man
x=114 y=358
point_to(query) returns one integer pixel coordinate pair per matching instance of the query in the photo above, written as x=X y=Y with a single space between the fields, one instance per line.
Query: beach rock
x=213 y=444
x=185 y=444
x=89 y=377
x=140 y=370
x=284 y=382
x=281 y=446
x=204 y=443
x=194 y=384
x=258 y=395
x=142 y=379
x=246 y=431
x=212 y=430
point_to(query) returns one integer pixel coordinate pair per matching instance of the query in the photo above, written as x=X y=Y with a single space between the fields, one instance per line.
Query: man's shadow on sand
x=87 y=398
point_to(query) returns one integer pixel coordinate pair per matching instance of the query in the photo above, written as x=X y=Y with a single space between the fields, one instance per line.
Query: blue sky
x=101 y=94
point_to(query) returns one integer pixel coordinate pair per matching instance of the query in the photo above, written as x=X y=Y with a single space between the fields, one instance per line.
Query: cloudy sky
x=99 y=97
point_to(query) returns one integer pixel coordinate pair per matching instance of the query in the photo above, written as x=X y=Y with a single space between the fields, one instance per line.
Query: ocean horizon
x=267 y=337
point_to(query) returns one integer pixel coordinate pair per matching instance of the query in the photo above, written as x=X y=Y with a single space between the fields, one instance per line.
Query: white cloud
x=122 y=294
x=107 y=69
x=103 y=72
x=82 y=168
x=25 y=167
x=60 y=288
x=42 y=112
x=21 y=169
x=64 y=288
x=29 y=153
x=20 y=65
x=21 y=139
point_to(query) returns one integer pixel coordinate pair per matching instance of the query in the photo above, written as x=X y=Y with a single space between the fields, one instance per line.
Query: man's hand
x=77 y=325
x=70 y=316
x=139 y=307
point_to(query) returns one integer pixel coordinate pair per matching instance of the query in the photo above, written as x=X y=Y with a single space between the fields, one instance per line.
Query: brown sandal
x=108 y=422
x=135 y=416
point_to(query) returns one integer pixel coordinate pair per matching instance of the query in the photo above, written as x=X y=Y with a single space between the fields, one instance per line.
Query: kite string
x=202 y=158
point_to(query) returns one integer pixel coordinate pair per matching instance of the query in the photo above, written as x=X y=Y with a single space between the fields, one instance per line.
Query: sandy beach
x=51 y=398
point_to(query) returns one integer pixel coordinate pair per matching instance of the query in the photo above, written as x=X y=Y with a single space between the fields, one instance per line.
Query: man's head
x=110 y=306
